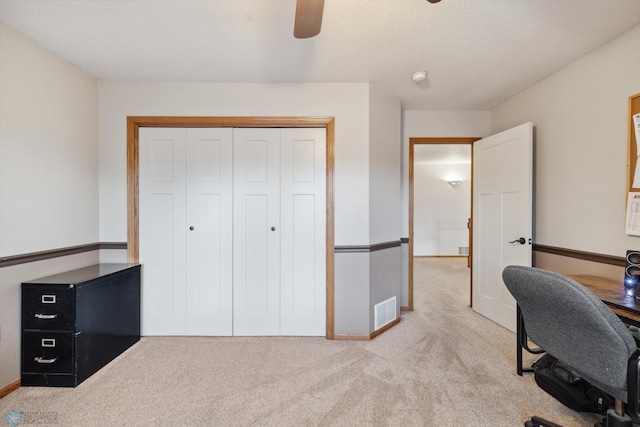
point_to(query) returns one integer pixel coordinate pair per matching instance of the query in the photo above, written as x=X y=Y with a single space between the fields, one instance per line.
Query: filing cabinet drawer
x=75 y=322
x=48 y=307
x=47 y=352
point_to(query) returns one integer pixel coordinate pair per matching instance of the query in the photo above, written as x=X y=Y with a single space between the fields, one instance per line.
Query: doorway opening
x=440 y=200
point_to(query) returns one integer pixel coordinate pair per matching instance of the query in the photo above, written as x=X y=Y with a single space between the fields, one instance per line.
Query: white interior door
x=185 y=231
x=162 y=230
x=233 y=231
x=209 y=244
x=303 y=232
x=502 y=214
x=256 y=250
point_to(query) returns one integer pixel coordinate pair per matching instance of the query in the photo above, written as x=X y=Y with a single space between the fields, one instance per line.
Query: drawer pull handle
x=46 y=316
x=48 y=342
x=45 y=361
x=48 y=299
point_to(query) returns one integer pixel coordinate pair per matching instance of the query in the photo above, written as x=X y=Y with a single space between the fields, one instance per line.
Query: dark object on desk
x=76 y=322
x=572 y=324
x=631 y=273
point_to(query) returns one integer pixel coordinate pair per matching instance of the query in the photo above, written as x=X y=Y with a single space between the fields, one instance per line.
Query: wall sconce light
x=455 y=183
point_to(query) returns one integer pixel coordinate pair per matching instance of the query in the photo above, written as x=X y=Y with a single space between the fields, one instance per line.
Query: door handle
x=521 y=240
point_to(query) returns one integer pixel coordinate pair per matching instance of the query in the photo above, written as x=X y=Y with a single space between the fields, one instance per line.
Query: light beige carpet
x=443 y=365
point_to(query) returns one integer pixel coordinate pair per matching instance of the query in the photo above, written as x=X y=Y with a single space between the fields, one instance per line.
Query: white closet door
x=256 y=254
x=209 y=244
x=162 y=230
x=303 y=232
x=232 y=231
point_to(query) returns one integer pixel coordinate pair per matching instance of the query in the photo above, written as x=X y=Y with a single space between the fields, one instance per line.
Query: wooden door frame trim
x=134 y=123
x=425 y=141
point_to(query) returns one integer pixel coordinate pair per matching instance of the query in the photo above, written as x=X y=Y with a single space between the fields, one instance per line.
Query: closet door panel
x=256 y=256
x=233 y=231
x=303 y=217
x=209 y=292
x=162 y=224
x=256 y=250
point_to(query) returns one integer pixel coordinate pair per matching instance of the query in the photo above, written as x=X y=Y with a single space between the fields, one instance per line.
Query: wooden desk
x=611 y=292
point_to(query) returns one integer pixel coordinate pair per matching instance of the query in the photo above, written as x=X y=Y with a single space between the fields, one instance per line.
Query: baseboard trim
x=406 y=308
x=351 y=337
x=385 y=328
x=9 y=388
x=367 y=337
x=441 y=256
x=55 y=253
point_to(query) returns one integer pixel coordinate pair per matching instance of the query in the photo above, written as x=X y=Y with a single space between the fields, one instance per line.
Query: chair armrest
x=633 y=383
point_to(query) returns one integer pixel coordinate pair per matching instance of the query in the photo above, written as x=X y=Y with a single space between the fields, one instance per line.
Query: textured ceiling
x=478 y=52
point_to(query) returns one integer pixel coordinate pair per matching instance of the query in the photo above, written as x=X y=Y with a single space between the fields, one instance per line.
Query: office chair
x=569 y=322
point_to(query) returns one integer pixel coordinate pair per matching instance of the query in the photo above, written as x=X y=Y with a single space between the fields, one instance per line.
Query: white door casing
x=502 y=214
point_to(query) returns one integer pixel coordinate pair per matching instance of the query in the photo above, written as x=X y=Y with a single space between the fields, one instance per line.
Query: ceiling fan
x=309 y=18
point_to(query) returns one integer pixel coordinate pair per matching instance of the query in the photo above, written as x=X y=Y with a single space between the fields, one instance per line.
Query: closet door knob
x=192 y=228
x=273 y=229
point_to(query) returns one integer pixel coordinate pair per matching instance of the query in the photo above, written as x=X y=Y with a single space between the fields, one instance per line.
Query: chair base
x=615 y=420
x=540 y=422
x=611 y=420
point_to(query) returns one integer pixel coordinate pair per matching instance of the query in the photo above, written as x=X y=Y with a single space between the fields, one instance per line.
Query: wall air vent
x=384 y=312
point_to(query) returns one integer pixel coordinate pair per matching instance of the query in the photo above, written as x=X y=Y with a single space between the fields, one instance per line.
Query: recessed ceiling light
x=419 y=76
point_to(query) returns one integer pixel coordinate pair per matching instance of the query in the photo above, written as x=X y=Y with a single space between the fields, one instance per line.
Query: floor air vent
x=385 y=312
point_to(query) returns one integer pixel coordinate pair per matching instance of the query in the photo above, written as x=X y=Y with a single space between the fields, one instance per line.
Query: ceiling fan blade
x=308 y=18
x=433 y=1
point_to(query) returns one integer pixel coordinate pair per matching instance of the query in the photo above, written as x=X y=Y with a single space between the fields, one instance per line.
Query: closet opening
x=133 y=201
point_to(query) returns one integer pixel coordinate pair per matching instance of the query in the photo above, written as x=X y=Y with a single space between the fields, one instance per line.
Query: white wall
x=48 y=173
x=384 y=167
x=434 y=124
x=580 y=116
x=48 y=143
x=348 y=103
x=440 y=210
x=362 y=160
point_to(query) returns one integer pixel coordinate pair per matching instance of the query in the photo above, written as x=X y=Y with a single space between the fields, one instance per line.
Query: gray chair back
x=569 y=322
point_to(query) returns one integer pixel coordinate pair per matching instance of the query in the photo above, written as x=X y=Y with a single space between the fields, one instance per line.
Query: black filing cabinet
x=76 y=322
